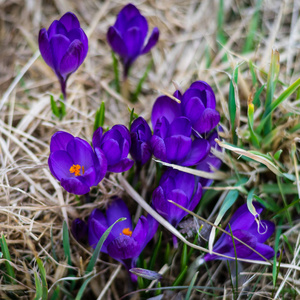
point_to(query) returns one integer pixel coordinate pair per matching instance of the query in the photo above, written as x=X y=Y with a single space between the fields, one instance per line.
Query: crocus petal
x=161 y=127
x=59 y=46
x=141 y=23
x=196 y=199
x=193 y=109
x=56 y=28
x=204 y=86
x=70 y=21
x=60 y=163
x=242 y=250
x=177 y=147
x=175 y=214
x=79 y=34
x=165 y=107
x=160 y=203
x=134 y=42
x=180 y=126
x=141 y=230
x=242 y=218
x=97 y=137
x=75 y=185
x=72 y=59
x=112 y=151
x=122 y=166
x=158 y=147
x=152 y=40
x=81 y=152
x=102 y=165
x=115 y=211
x=146 y=153
x=264 y=250
x=140 y=124
x=90 y=176
x=208 y=120
x=60 y=140
x=182 y=181
x=199 y=150
x=116 y=42
x=262 y=231
x=45 y=48
x=124 y=247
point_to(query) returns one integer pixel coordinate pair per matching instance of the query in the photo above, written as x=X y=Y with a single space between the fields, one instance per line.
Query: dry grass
x=33 y=206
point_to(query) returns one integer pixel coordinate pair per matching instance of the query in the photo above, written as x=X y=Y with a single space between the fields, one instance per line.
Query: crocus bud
x=141 y=134
x=127 y=36
x=115 y=144
x=64 y=47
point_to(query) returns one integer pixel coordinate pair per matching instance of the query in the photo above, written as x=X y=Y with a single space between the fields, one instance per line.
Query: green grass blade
x=54 y=108
x=83 y=287
x=66 y=243
x=6 y=255
x=155 y=252
x=55 y=294
x=232 y=105
x=271 y=85
x=99 y=246
x=277 y=237
x=253 y=136
x=142 y=80
x=253 y=28
x=184 y=257
x=180 y=277
x=99 y=117
x=38 y=287
x=116 y=72
x=189 y=291
x=236 y=262
x=43 y=278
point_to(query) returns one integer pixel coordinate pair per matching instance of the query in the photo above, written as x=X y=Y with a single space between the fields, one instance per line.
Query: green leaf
x=83 y=287
x=133 y=116
x=54 y=108
x=116 y=72
x=43 y=278
x=253 y=136
x=184 y=257
x=232 y=104
x=180 y=277
x=277 y=237
x=271 y=85
x=140 y=84
x=99 y=246
x=99 y=116
x=66 y=243
x=6 y=255
x=189 y=291
x=38 y=287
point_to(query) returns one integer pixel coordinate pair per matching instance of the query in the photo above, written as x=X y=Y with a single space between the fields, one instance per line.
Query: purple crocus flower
x=115 y=144
x=211 y=162
x=127 y=36
x=172 y=138
x=73 y=162
x=198 y=104
x=124 y=243
x=64 y=47
x=244 y=226
x=141 y=134
x=180 y=187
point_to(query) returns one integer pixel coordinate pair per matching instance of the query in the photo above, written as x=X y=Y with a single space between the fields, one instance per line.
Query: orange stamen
x=127 y=231
x=76 y=170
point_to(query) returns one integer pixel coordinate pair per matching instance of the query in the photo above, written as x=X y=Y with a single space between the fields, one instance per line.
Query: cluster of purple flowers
x=184 y=134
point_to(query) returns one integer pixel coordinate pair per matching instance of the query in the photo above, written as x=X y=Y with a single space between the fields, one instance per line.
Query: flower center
x=76 y=170
x=126 y=231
